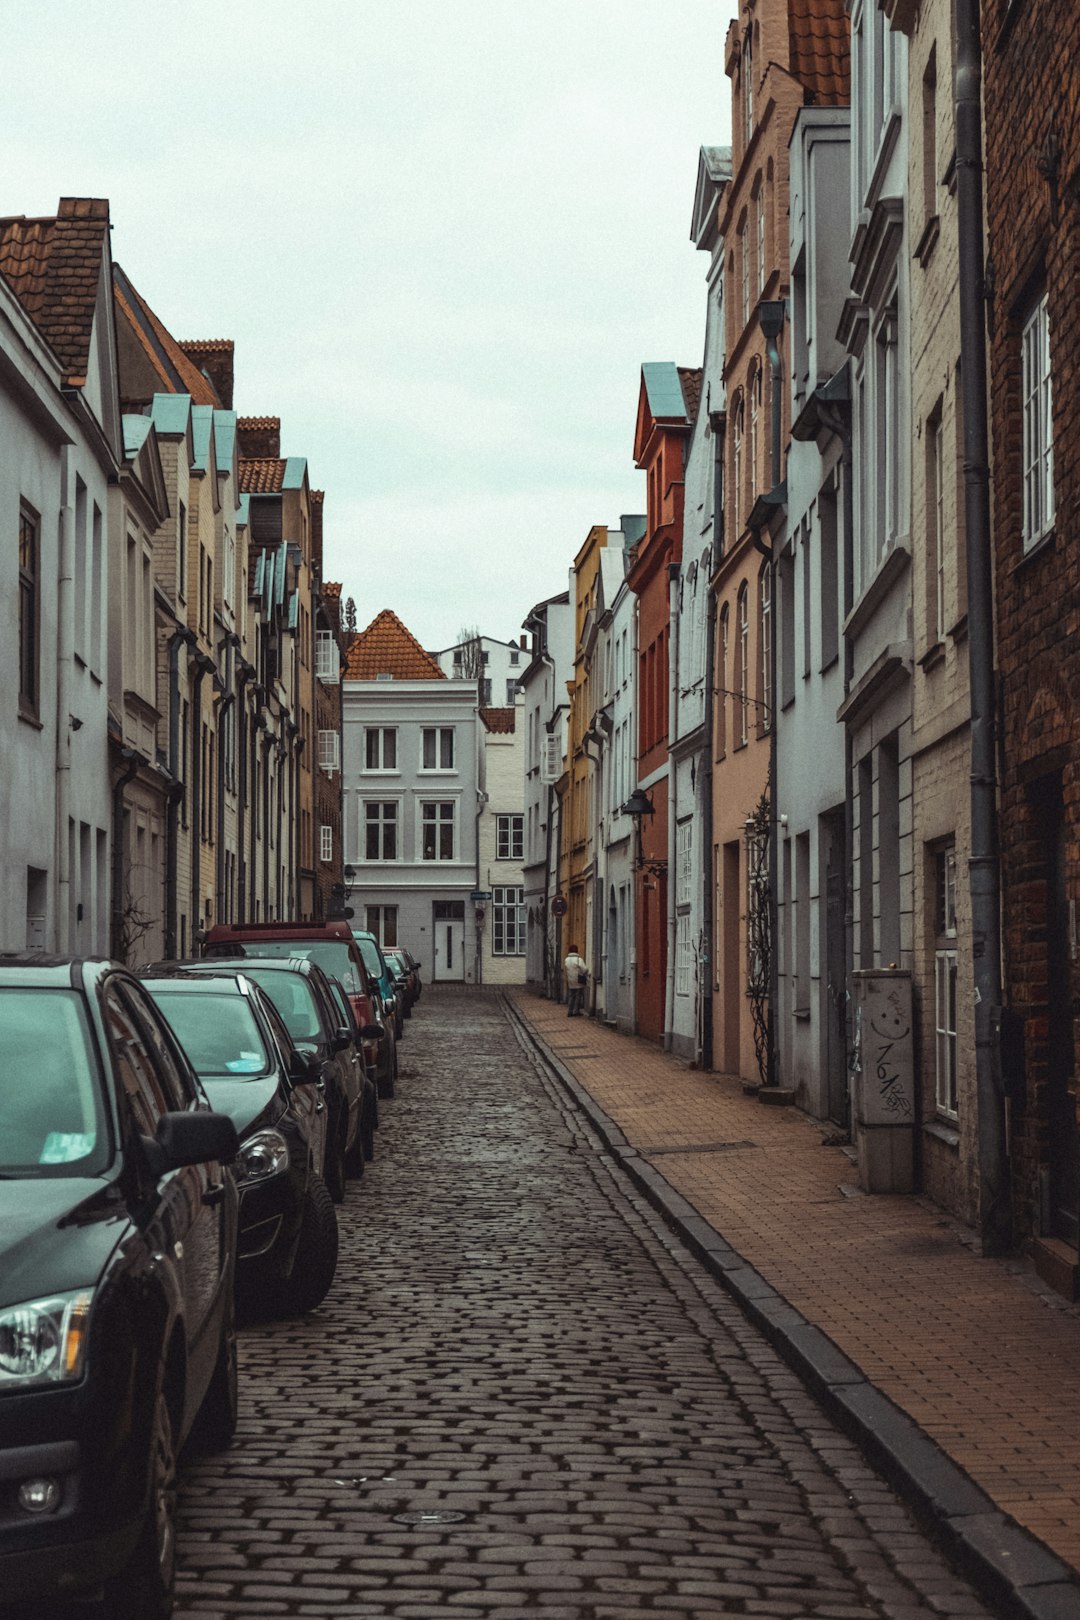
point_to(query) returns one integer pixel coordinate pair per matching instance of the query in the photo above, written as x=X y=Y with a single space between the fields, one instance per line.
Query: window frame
x=381 y=769
x=438 y=734
x=30 y=614
x=333 y=764
x=438 y=823
x=508 y=918
x=510 y=848
x=1038 y=512
x=381 y=824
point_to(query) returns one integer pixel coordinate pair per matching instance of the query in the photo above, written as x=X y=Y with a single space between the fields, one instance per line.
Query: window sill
x=802 y=1013
x=829 y=663
x=959 y=631
x=1044 y=543
x=436 y=770
x=942 y=1130
x=29 y=717
x=371 y=770
x=924 y=247
x=932 y=657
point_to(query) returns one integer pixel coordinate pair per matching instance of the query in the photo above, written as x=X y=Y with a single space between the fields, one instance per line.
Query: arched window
x=754 y=390
x=722 y=691
x=765 y=642
x=748 y=83
x=761 y=238
x=742 y=656
x=738 y=426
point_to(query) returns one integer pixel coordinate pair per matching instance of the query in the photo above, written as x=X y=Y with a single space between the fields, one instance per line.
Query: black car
x=275 y=1096
x=320 y=1027
x=117 y=1247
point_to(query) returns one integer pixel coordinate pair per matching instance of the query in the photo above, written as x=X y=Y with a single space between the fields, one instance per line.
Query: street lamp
x=638 y=805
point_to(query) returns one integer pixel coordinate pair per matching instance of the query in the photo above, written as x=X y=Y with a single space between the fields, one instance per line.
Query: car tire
x=354 y=1158
x=316 y=1253
x=334 y=1165
x=145 y=1588
x=384 y=1084
x=368 y=1121
x=215 y=1424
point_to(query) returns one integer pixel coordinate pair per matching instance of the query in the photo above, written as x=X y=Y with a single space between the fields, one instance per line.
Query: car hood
x=56 y=1234
x=250 y=1104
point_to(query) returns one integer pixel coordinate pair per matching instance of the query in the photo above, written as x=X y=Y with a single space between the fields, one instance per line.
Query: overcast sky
x=443 y=236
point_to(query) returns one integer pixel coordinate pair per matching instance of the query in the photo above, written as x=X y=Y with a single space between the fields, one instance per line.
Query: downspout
x=257 y=790
x=995 y=1220
x=595 y=946
x=220 y=902
x=203 y=667
x=674 y=571
x=298 y=752
x=65 y=652
x=133 y=761
x=179 y=638
x=245 y=674
x=771 y=327
x=708 y=913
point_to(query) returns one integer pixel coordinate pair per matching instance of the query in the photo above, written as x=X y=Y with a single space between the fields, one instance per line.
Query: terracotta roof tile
x=207 y=345
x=259 y=424
x=261 y=475
x=691 y=387
x=820 y=45
x=498 y=719
x=53 y=267
x=331 y=587
x=386 y=647
x=317 y=496
x=179 y=374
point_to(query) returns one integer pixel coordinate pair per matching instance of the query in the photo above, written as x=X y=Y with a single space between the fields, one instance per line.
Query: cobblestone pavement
x=522 y=1399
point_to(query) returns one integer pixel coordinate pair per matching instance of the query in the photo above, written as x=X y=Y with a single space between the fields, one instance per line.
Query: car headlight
x=261 y=1155
x=44 y=1340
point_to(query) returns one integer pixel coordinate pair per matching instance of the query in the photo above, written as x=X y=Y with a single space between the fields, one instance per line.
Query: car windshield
x=332 y=955
x=51 y=1118
x=294 y=999
x=370 y=952
x=217 y=1030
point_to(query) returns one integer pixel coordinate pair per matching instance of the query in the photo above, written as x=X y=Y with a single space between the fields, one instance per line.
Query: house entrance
x=449 y=929
x=1064 y=1139
x=836 y=1056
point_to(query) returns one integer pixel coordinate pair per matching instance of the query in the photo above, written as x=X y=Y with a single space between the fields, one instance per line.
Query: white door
x=449 y=949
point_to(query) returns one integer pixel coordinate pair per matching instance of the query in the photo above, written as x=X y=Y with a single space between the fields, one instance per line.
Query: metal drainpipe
x=595 y=945
x=133 y=763
x=203 y=667
x=179 y=638
x=245 y=674
x=708 y=913
x=772 y=1070
x=257 y=789
x=298 y=751
x=65 y=652
x=674 y=571
x=220 y=901
x=995 y=1215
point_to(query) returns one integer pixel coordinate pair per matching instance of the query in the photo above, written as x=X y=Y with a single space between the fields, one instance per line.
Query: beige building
x=940 y=750
x=500 y=845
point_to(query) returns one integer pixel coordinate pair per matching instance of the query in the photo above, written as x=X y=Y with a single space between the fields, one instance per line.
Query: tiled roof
x=691 y=387
x=178 y=373
x=820 y=45
x=386 y=647
x=208 y=345
x=53 y=267
x=331 y=587
x=498 y=719
x=260 y=424
x=262 y=475
x=317 y=496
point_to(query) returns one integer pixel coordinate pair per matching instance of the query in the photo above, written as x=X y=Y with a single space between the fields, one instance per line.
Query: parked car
x=118 y=1225
x=370 y=1121
x=380 y=971
x=332 y=946
x=407 y=970
x=276 y=1098
x=305 y=1000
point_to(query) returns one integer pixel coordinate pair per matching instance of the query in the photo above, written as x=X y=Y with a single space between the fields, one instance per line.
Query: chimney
x=317 y=497
x=259 y=436
x=214 y=357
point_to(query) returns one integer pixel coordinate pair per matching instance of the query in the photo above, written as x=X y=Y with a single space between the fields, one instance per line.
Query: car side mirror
x=371 y=1032
x=192 y=1139
x=341 y=1039
x=303 y=1066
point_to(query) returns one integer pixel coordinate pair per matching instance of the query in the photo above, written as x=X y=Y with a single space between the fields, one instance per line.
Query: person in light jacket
x=577 y=977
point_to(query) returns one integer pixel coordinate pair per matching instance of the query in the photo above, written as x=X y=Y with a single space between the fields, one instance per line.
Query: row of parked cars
x=172 y=1148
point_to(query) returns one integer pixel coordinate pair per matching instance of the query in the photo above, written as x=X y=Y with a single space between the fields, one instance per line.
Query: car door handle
x=214 y=1193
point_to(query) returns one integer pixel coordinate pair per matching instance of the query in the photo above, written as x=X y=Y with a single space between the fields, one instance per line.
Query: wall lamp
x=638 y=805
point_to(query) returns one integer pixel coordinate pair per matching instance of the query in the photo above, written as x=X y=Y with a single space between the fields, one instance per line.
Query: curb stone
x=1009 y=1566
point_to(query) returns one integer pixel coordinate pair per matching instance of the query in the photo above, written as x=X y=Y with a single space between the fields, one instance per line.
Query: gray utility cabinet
x=884 y=1080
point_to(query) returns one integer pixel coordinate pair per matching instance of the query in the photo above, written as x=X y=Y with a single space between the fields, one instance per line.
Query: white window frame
x=945 y=1043
x=382 y=822
x=766 y=633
x=380 y=916
x=1038 y=425
x=439 y=822
x=329 y=752
x=438 y=734
x=742 y=606
x=684 y=862
x=326 y=841
x=505 y=840
x=682 y=954
x=327 y=663
x=381 y=769
x=935 y=500
x=508 y=920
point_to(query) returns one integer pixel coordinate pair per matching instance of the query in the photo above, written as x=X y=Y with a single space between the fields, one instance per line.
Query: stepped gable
x=819 y=42
x=386 y=647
x=53 y=266
x=691 y=379
x=259 y=437
x=498 y=719
x=177 y=373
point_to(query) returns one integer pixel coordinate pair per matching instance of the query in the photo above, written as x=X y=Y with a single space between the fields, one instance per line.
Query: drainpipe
x=771 y=321
x=133 y=761
x=674 y=571
x=595 y=946
x=984 y=874
x=221 y=901
x=203 y=667
x=258 y=790
x=298 y=749
x=708 y=912
x=65 y=651
x=246 y=673
x=179 y=638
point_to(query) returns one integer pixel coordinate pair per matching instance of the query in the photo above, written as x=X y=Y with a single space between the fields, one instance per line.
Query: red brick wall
x=1032 y=87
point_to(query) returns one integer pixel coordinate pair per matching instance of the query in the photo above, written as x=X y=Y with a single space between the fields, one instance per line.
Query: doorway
x=731 y=896
x=1064 y=1138
x=449 y=931
x=836 y=1055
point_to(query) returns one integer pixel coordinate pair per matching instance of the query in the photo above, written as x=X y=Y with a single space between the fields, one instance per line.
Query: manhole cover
x=428 y=1518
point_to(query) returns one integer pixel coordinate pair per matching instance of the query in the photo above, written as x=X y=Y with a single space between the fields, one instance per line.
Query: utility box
x=884 y=1080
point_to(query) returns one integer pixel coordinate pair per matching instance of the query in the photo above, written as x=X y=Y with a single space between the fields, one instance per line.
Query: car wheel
x=215 y=1425
x=354 y=1159
x=368 y=1121
x=385 y=1082
x=334 y=1166
x=316 y=1253
x=145 y=1589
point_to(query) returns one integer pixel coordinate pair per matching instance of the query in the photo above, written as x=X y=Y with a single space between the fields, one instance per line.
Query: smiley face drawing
x=889 y=1022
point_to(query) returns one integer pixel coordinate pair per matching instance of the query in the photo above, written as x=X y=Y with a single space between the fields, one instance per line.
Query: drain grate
x=445 y=1517
x=700 y=1147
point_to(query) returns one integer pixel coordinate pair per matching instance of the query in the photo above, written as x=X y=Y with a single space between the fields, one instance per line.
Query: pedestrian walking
x=577 y=977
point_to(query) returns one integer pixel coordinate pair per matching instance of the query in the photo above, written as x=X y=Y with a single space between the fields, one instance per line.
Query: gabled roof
x=53 y=267
x=386 y=647
x=690 y=377
x=497 y=719
x=177 y=373
x=714 y=172
x=667 y=400
x=819 y=40
x=663 y=391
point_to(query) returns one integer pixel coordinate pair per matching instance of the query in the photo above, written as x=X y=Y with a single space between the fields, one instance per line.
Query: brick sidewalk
x=983 y=1361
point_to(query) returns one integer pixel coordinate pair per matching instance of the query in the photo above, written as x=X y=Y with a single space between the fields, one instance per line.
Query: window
x=485 y=693
x=761 y=238
x=512 y=690
x=29 y=583
x=181 y=549
x=509 y=838
x=742 y=678
x=935 y=524
x=515 y=657
x=380 y=830
x=765 y=639
x=437 y=751
x=382 y=922
x=380 y=748
x=829 y=599
x=1038 y=426
x=744 y=251
x=682 y=954
x=508 y=921
x=437 y=831
x=329 y=751
x=738 y=424
x=748 y=85
x=945 y=980
x=929 y=138
x=326 y=842
x=722 y=681
x=684 y=863
x=326 y=656
x=755 y=418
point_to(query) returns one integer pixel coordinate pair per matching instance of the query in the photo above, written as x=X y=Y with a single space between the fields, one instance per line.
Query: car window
x=278 y=1030
x=372 y=961
x=135 y=1067
x=218 y=1031
x=344 y=1007
x=294 y=999
x=332 y=955
x=178 y=1088
x=52 y=1121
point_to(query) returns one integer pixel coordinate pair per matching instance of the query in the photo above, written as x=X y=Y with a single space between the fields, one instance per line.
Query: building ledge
x=889 y=669
x=895 y=561
x=942 y=1131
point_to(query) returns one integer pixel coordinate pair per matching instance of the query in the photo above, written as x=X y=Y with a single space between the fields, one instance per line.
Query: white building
x=500 y=843
x=616 y=777
x=61 y=431
x=502 y=664
x=546 y=706
x=409 y=779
